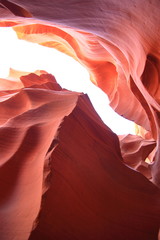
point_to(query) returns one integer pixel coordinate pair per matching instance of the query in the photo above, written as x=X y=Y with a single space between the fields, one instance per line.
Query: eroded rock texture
x=79 y=182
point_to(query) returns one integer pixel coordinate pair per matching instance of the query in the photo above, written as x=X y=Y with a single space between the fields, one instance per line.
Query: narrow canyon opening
x=64 y=172
x=28 y=57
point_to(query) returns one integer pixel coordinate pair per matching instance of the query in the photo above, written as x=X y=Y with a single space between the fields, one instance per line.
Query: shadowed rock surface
x=68 y=177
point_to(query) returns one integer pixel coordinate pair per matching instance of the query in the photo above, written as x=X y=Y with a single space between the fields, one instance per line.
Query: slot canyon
x=64 y=174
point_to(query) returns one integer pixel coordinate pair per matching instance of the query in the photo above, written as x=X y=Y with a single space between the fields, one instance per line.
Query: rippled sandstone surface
x=64 y=174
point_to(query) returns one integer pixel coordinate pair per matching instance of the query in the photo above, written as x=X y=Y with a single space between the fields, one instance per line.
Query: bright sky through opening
x=29 y=57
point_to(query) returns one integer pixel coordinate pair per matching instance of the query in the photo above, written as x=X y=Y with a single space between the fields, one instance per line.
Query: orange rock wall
x=89 y=192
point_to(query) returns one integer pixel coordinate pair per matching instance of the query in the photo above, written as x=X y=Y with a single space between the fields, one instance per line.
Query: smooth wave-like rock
x=135 y=151
x=92 y=194
x=29 y=120
x=118 y=43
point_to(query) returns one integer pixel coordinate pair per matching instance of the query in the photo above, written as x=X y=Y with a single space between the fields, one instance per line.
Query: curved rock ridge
x=92 y=194
x=118 y=43
x=135 y=151
x=78 y=189
x=29 y=119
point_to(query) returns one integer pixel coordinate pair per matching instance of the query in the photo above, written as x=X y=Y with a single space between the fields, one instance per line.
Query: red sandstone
x=63 y=173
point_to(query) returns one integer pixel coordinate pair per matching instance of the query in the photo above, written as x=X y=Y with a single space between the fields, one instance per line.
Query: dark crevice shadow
x=15 y=9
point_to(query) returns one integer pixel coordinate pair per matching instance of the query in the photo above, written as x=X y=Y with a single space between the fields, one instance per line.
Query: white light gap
x=25 y=56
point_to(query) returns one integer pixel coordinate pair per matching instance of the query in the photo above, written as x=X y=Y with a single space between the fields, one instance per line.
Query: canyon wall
x=64 y=174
